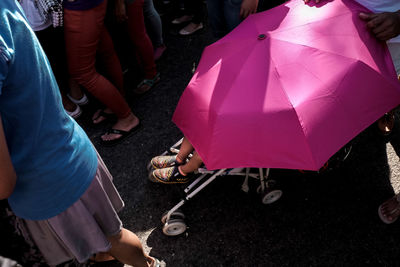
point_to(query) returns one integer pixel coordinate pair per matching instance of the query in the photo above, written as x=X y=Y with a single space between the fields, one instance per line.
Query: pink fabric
x=86 y=36
x=293 y=97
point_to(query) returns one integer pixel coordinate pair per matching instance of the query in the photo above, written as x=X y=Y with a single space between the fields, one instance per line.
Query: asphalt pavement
x=322 y=219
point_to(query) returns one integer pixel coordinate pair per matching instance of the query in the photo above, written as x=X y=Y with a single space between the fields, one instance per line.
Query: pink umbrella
x=287 y=88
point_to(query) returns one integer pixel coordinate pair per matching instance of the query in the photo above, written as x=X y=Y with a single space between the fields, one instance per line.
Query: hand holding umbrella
x=384 y=25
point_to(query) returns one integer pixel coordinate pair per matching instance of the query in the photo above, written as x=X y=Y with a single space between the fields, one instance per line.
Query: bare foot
x=125 y=124
x=389 y=211
x=101 y=115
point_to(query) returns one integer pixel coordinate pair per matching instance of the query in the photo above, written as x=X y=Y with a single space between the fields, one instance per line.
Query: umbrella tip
x=262 y=36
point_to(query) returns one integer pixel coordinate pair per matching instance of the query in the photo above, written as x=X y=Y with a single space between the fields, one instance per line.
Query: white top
x=35 y=18
x=378 y=6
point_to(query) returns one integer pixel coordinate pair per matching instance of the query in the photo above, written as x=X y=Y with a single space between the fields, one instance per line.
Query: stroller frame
x=173 y=219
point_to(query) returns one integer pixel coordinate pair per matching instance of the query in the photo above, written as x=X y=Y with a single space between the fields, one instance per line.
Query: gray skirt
x=82 y=229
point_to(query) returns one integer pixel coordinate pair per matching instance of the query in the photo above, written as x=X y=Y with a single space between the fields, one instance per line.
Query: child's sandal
x=169 y=175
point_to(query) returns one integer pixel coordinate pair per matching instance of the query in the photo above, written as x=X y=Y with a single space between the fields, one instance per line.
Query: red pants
x=86 y=37
x=140 y=39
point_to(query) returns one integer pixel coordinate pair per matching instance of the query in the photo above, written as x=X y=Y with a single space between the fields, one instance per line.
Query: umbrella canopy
x=287 y=88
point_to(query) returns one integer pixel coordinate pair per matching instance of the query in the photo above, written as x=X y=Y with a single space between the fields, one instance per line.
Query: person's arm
x=248 y=7
x=384 y=25
x=7 y=173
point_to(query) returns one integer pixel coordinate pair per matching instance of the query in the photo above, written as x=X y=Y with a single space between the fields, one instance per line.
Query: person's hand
x=384 y=26
x=316 y=1
x=248 y=7
x=120 y=11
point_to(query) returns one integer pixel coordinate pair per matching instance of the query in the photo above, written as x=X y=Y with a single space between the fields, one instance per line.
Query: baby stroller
x=173 y=220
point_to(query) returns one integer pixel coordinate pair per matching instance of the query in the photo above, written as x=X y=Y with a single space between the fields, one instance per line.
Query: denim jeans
x=224 y=15
x=153 y=23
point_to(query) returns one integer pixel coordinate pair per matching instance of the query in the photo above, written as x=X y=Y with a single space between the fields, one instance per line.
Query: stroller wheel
x=178 y=214
x=174 y=227
x=270 y=196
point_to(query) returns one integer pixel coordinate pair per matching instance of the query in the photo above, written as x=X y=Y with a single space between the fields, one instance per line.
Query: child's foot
x=389 y=211
x=161 y=162
x=170 y=175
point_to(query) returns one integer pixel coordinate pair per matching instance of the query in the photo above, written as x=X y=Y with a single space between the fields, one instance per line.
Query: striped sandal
x=169 y=175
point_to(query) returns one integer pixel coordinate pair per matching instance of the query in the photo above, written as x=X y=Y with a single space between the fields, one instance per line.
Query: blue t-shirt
x=52 y=156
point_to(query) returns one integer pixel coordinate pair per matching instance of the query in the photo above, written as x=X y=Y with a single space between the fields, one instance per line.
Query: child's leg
x=193 y=164
x=185 y=149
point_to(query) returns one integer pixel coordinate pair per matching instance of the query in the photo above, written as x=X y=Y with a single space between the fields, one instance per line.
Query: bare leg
x=193 y=164
x=185 y=149
x=126 y=247
x=75 y=90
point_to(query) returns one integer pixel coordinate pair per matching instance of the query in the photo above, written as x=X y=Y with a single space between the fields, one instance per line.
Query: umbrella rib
x=300 y=122
x=283 y=29
x=315 y=48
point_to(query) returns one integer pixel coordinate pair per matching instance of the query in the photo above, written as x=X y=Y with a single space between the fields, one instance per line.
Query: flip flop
x=124 y=135
x=385 y=219
x=150 y=84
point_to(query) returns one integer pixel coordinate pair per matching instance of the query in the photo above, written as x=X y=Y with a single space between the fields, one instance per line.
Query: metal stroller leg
x=245 y=185
x=187 y=189
x=173 y=219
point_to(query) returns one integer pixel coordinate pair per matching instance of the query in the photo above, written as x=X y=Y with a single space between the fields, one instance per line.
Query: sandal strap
x=149 y=82
x=116 y=131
